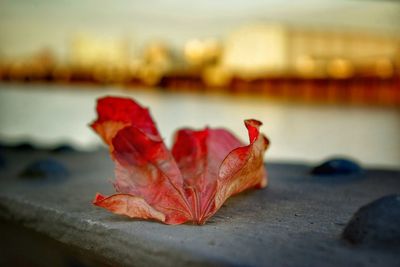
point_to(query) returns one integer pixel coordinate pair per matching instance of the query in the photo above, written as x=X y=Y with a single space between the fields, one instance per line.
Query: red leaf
x=199 y=155
x=128 y=205
x=145 y=168
x=115 y=113
x=204 y=169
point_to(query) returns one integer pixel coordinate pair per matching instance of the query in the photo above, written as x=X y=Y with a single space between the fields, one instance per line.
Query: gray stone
x=63 y=149
x=44 y=168
x=2 y=160
x=296 y=221
x=24 y=146
x=337 y=166
x=376 y=224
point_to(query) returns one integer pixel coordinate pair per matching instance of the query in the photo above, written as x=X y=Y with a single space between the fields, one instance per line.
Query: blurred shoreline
x=49 y=115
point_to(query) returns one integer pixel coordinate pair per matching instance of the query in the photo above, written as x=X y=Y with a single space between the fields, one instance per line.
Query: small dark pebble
x=24 y=146
x=63 y=149
x=47 y=168
x=376 y=224
x=337 y=166
x=2 y=160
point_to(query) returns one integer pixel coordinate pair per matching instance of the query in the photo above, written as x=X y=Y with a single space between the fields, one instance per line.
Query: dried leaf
x=190 y=183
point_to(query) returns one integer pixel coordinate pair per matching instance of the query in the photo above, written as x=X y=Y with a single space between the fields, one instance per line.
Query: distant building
x=274 y=50
x=256 y=51
x=87 y=52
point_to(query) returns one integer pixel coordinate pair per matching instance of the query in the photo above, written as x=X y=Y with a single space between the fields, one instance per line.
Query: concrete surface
x=296 y=221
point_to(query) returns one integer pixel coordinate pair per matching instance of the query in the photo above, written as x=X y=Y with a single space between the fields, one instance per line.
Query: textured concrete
x=296 y=221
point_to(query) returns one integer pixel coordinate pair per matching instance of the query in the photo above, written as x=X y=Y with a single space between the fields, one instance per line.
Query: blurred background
x=322 y=75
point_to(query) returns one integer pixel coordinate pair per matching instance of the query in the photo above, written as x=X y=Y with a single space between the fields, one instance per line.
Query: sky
x=26 y=26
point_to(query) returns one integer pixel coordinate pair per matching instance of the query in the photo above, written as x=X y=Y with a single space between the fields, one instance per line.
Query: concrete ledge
x=296 y=221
